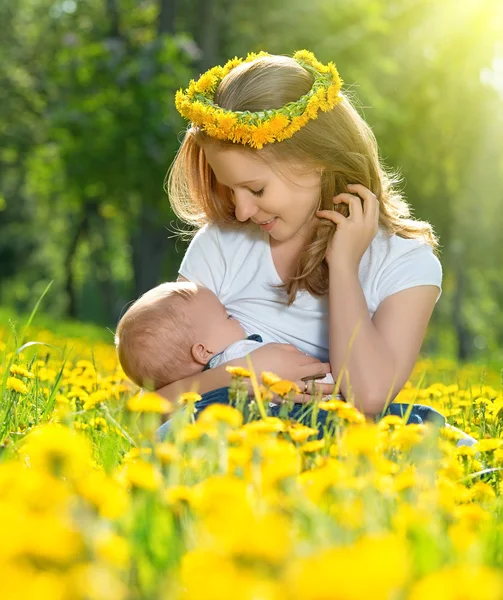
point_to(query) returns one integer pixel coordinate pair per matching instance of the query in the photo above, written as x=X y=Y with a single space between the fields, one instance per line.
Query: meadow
x=238 y=504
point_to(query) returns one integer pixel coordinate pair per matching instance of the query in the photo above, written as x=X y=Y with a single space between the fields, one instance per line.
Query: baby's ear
x=200 y=353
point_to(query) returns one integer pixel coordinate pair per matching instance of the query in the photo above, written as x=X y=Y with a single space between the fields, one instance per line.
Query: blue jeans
x=300 y=412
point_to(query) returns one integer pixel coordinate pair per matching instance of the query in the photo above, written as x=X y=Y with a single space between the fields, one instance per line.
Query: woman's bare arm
x=384 y=348
x=282 y=359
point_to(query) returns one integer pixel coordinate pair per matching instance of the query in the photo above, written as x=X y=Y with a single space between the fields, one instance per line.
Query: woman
x=302 y=232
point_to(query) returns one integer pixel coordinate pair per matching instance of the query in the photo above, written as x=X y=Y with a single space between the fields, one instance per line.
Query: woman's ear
x=200 y=353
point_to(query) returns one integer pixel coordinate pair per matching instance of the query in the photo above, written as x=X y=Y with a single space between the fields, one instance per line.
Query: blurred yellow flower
x=221 y=413
x=300 y=433
x=313 y=446
x=206 y=575
x=57 y=449
x=189 y=398
x=167 y=453
x=336 y=572
x=143 y=475
x=267 y=425
x=149 y=402
x=238 y=371
x=19 y=371
x=463 y=582
x=113 y=549
x=108 y=497
x=269 y=378
x=283 y=387
x=361 y=440
x=17 y=385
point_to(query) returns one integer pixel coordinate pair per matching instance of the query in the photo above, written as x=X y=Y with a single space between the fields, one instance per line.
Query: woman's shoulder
x=387 y=248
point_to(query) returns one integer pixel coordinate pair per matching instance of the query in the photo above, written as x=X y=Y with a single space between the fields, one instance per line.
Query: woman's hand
x=288 y=362
x=354 y=233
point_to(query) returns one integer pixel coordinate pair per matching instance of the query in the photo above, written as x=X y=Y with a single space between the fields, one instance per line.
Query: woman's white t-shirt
x=236 y=264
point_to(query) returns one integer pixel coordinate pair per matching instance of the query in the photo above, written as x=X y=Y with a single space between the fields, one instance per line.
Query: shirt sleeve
x=204 y=262
x=418 y=266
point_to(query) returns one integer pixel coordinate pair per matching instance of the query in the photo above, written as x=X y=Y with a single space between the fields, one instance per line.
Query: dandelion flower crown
x=197 y=104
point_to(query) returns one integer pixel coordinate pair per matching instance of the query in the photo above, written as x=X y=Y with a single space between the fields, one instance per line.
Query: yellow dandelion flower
x=391 y=421
x=149 y=402
x=21 y=371
x=468 y=451
x=408 y=436
x=269 y=378
x=362 y=440
x=109 y=498
x=300 y=433
x=179 y=494
x=206 y=83
x=196 y=431
x=231 y=64
x=221 y=413
x=241 y=133
x=16 y=385
x=226 y=122
x=143 y=475
x=251 y=56
x=199 y=112
x=167 y=453
x=488 y=445
x=95 y=398
x=467 y=581
x=351 y=414
x=313 y=446
x=189 y=398
x=278 y=123
x=267 y=425
x=332 y=405
x=304 y=55
x=238 y=371
x=282 y=388
x=260 y=136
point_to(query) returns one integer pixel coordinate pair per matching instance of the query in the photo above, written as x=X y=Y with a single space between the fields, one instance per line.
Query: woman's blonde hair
x=339 y=143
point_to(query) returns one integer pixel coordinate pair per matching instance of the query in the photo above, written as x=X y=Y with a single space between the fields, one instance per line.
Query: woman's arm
x=378 y=354
x=282 y=359
x=385 y=348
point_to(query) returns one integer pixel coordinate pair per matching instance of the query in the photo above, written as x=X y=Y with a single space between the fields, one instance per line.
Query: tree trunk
x=210 y=33
x=167 y=14
x=71 y=293
x=149 y=243
x=464 y=349
x=113 y=16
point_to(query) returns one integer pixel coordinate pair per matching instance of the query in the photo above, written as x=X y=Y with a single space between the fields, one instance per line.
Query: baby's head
x=171 y=332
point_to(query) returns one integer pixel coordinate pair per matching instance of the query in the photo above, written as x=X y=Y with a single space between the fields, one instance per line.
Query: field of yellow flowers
x=93 y=506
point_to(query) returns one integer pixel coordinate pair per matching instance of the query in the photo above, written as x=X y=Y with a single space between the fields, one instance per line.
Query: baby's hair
x=154 y=337
x=339 y=144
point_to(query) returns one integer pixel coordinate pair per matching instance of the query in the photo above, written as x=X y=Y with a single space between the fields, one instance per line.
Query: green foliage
x=89 y=129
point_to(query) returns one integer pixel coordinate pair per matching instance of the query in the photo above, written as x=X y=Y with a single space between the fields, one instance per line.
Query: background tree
x=88 y=130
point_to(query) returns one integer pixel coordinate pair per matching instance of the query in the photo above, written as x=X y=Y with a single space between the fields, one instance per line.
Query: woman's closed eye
x=258 y=193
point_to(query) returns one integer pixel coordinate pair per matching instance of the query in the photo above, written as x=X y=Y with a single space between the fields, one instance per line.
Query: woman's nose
x=245 y=207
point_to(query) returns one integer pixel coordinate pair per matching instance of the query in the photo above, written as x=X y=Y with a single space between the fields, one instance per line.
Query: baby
x=173 y=331
x=176 y=330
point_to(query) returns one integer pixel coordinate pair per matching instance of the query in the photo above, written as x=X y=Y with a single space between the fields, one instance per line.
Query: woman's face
x=261 y=193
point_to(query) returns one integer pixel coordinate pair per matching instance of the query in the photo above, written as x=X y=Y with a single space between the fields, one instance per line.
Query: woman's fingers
x=331 y=215
x=313 y=370
x=354 y=203
x=371 y=202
